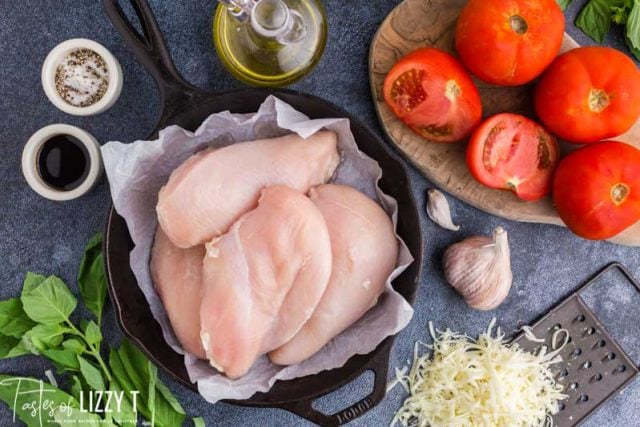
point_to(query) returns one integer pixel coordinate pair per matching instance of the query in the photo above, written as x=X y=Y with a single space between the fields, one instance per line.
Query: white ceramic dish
x=54 y=59
x=30 y=162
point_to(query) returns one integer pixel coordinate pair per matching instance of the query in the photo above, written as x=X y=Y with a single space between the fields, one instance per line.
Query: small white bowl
x=54 y=59
x=30 y=162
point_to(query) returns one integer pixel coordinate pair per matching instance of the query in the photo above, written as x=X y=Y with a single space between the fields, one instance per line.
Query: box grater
x=594 y=366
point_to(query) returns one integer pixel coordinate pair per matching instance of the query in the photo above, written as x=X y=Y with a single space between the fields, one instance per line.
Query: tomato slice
x=596 y=189
x=432 y=93
x=511 y=152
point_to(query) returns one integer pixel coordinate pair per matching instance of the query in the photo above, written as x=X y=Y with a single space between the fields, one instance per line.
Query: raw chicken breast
x=364 y=250
x=263 y=279
x=177 y=276
x=212 y=189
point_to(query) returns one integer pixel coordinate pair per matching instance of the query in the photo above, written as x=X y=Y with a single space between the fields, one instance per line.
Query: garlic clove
x=479 y=269
x=438 y=210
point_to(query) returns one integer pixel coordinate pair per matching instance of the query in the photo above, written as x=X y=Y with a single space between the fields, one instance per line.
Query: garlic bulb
x=438 y=210
x=479 y=268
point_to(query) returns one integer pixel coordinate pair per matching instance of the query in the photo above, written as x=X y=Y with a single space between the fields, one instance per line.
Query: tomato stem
x=619 y=193
x=598 y=100
x=452 y=90
x=518 y=24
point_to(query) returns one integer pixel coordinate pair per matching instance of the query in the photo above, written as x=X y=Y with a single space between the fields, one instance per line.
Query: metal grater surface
x=594 y=366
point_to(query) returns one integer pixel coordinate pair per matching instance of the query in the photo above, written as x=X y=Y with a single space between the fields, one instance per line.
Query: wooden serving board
x=420 y=23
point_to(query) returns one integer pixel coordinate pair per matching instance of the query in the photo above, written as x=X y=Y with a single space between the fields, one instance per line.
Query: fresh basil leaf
x=31 y=281
x=74 y=345
x=171 y=399
x=7 y=344
x=18 y=350
x=165 y=415
x=14 y=321
x=64 y=359
x=634 y=51
x=564 y=4
x=91 y=374
x=121 y=379
x=135 y=365
x=595 y=19
x=49 y=336
x=24 y=347
x=124 y=414
x=129 y=374
x=49 y=303
x=199 y=422
x=76 y=387
x=38 y=344
x=91 y=278
x=92 y=333
x=119 y=372
x=633 y=26
x=151 y=398
x=38 y=403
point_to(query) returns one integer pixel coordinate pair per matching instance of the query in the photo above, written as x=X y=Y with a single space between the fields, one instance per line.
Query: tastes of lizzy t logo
x=38 y=403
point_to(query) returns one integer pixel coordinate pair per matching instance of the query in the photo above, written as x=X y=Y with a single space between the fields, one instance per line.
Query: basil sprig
x=596 y=17
x=40 y=322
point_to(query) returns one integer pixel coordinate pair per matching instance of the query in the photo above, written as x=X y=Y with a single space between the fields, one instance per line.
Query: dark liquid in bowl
x=63 y=162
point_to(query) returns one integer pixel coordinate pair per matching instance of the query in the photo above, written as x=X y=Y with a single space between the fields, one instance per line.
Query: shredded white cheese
x=528 y=333
x=554 y=338
x=478 y=383
x=51 y=378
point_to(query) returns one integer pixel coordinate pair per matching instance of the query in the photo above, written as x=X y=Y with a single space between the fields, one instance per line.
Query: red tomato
x=596 y=189
x=511 y=152
x=589 y=94
x=509 y=42
x=430 y=92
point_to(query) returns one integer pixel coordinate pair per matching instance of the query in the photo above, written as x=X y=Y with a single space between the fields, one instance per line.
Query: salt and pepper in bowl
x=81 y=77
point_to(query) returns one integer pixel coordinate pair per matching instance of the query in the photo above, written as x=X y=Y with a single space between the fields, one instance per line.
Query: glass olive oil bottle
x=270 y=42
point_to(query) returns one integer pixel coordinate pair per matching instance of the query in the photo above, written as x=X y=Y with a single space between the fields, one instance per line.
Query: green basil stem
x=94 y=351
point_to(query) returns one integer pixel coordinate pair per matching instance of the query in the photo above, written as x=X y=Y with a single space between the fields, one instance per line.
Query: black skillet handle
x=379 y=365
x=149 y=48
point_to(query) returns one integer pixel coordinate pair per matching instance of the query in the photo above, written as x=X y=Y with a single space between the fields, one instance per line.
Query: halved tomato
x=511 y=152
x=596 y=189
x=432 y=93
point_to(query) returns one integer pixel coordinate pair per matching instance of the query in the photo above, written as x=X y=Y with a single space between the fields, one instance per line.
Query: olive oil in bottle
x=270 y=42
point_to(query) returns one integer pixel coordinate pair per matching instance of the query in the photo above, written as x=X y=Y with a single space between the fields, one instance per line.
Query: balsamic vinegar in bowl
x=63 y=162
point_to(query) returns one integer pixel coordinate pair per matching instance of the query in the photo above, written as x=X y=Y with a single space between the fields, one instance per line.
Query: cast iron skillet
x=187 y=106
